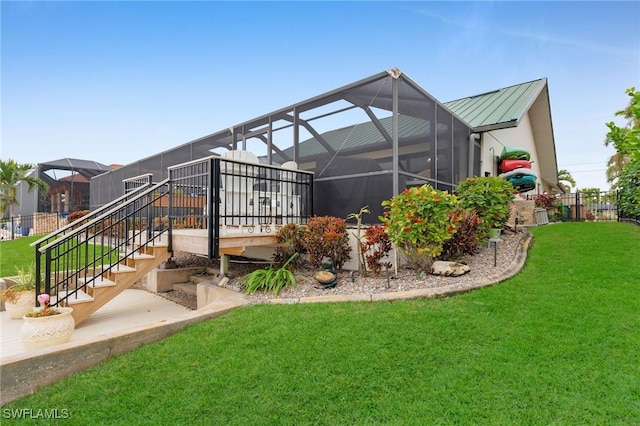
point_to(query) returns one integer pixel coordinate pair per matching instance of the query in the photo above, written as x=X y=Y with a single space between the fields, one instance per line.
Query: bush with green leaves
x=489 y=197
x=629 y=189
x=326 y=236
x=270 y=279
x=418 y=222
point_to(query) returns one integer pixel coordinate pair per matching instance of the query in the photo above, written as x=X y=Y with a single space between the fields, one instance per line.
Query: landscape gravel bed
x=481 y=265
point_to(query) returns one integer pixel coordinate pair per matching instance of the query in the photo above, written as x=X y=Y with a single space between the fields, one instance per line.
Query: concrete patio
x=133 y=318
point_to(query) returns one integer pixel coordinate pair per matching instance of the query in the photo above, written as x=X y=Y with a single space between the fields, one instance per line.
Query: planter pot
x=47 y=331
x=25 y=303
x=495 y=232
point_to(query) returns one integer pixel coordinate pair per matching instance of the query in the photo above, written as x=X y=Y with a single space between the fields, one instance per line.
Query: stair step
x=120 y=268
x=97 y=282
x=138 y=256
x=189 y=288
x=201 y=278
x=158 y=244
x=79 y=297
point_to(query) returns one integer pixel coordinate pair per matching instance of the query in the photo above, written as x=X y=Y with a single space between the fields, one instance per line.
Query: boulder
x=449 y=269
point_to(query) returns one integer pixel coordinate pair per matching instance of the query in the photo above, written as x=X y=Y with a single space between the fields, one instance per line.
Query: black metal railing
x=142 y=182
x=222 y=195
x=67 y=262
x=583 y=206
x=216 y=194
x=137 y=182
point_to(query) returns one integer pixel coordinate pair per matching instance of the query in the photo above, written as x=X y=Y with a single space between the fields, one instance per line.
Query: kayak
x=508 y=165
x=517 y=173
x=523 y=183
x=509 y=152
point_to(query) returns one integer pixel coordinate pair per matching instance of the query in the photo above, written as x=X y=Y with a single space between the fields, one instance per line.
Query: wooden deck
x=234 y=242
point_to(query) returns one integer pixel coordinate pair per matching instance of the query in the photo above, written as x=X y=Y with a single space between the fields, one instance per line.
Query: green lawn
x=557 y=344
x=16 y=253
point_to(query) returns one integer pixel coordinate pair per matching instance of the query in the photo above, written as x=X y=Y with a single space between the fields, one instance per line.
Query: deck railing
x=215 y=194
x=225 y=196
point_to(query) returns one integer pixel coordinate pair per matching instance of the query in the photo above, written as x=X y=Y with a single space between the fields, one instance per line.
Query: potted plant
x=47 y=326
x=20 y=297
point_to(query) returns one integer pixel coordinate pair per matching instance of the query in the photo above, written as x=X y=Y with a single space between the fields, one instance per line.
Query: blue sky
x=118 y=81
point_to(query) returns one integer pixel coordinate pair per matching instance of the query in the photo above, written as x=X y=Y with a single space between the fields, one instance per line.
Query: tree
x=590 y=195
x=615 y=166
x=626 y=140
x=11 y=174
x=565 y=176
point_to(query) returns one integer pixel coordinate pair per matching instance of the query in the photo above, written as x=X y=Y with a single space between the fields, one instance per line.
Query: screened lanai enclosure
x=363 y=142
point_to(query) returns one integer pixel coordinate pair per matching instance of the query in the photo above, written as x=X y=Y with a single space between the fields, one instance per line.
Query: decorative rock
x=449 y=269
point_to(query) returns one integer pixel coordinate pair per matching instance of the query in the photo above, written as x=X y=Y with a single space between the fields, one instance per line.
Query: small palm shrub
x=375 y=246
x=326 y=236
x=418 y=222
x=466 y=240
x=24 y=282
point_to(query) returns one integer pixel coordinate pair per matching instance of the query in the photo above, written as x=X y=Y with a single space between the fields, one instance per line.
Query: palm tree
x=615 y=166
x=11 y=174
x=565 y=176
x=619 y=161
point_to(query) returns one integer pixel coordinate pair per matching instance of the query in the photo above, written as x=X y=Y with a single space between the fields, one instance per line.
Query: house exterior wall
x=28 y=201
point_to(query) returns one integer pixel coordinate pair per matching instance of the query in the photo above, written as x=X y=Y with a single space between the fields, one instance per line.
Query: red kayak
x=507 y=165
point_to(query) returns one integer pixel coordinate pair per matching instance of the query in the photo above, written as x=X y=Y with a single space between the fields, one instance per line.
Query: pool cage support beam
x=394 y=136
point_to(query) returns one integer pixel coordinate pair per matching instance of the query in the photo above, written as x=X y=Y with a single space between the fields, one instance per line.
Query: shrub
x=629 y=190
x=418 y=222
x=546 y=201
x=489 y=197
x=326 y=236
x=270 y=279
x=290 y=242
x=72 y=217
x=466 y=240
x=25 y=281
x=376 y=246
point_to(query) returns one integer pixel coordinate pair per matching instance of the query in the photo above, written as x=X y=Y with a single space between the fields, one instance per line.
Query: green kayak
x=511 y=153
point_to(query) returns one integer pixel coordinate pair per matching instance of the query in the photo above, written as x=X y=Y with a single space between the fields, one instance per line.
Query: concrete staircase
x=104 y=286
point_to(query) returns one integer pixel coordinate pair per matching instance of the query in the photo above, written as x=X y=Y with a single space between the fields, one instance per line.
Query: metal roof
x=500 y=108
x=86 y=168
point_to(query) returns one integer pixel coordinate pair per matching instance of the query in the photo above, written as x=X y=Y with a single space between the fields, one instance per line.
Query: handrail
x=87 y=216
x=232 y=160
x=102 y=244
x=103 y=216
x=138 y=177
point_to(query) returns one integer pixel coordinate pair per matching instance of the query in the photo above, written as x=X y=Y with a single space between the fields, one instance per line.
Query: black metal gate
x=580 y=206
